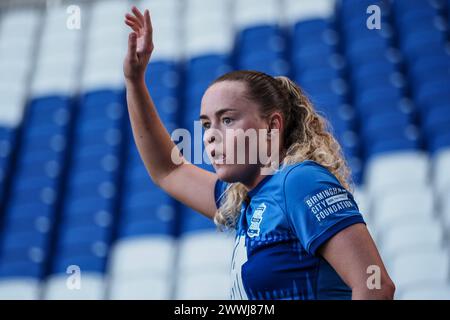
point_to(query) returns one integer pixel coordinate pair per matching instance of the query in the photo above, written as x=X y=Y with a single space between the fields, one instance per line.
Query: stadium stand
x=74 y=191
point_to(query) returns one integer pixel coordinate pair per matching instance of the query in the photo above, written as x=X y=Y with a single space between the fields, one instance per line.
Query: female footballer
x=299 y=232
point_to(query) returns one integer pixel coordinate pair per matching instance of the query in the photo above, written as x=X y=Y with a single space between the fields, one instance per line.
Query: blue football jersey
x=281 y=225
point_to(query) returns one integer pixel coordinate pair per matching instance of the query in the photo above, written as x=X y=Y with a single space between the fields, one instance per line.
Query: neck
x=254 y=182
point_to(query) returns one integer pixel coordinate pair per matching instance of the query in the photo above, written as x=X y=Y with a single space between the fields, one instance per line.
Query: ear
x=275 y=121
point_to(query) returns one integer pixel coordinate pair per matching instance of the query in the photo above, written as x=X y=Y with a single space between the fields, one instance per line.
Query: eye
x=227 y=120
x=206 y=125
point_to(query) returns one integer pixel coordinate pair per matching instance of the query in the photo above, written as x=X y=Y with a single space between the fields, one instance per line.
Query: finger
x=147 y=22
x=134 y=19
x=132 y=25
x=148 y=32
x=132 y=44
x=138 y=15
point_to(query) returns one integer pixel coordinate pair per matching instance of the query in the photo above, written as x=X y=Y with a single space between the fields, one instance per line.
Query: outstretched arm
x=167 y=168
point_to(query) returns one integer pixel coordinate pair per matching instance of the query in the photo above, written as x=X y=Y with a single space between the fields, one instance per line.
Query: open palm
x=140 y=44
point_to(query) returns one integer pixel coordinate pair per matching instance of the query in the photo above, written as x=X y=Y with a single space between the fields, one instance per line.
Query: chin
x=232 y=173
x=227 y=173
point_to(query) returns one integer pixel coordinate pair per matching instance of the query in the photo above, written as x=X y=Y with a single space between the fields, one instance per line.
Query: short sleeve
x=317 y=205
x=219 y=190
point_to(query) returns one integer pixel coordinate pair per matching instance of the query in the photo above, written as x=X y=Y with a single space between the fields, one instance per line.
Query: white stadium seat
x=445 y=211
x=59 y=58
x=152 y=254
x=410 y=237
x=359 y=194
x=19 y=289
x=20 y=26
x=92 y=287
x=104 y=53
x=403 y=205
x=208 y=28
x=441 y=173
x=18 y=39
x=142 y=288
x=209 y=285
x=420 y=269
x=388 y=172
x=299 y=10
x=167 y=26
x=437 y=292
x=256 y=12
x=202 y=251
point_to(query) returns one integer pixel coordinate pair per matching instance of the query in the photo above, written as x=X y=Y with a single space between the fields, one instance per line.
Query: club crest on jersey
x=254 y=230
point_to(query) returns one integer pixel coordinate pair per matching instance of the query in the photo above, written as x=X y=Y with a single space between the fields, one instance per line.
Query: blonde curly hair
x=307 y=134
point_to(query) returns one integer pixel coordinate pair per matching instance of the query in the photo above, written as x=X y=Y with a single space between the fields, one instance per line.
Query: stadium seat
x=437 y=292
x=19 y=289
x=92 y=287
x=74 y=190
x=154 y=254
x=209 y=285
x=192 y=250
x=218 y=37
x=419 y=235
x=167 y=25
x=386 y=172
x=141 y=287
x=441 y=172
x=409 y=203
x=418 y=270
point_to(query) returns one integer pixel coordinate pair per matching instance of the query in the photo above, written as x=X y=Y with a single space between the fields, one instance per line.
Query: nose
x=209 y=137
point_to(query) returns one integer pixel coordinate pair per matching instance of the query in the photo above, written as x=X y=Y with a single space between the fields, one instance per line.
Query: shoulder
x=307 y=179
x=306 y=175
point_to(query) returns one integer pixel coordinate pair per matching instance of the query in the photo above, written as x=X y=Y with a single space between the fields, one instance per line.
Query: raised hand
x=140 y=44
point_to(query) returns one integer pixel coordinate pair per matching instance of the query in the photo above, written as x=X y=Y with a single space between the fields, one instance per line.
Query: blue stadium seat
x=7 y=143
x=74 y=206
x=437 y=143
x=89 y=217
x=315 y=55
x=385 y=126
x=432 y=93
x=25 y=268
x=386 y=147
x=312 y=31
x=436 y=121
x=192 y=221
x=82 y=238
x=162 y=74
x=147 y=227
x=376 y=74
x=263 y=48
x=429 y=68
x=16 y=244
x=86 y=263
x=28 y=217
x=206 y=68
x=423 y=42
x=376 y=97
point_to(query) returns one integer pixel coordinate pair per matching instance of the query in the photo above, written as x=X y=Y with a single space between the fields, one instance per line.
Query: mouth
x=220 y=160
x=217 y=159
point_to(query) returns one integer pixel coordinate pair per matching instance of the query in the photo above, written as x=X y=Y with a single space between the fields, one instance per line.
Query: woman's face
x=234 y=132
